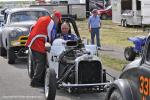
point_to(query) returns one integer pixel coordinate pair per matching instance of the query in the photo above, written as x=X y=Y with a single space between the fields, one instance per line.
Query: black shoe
x=99 y=48
x=36 y=84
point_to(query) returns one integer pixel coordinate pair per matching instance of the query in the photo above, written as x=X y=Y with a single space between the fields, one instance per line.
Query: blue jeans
x=95 y=31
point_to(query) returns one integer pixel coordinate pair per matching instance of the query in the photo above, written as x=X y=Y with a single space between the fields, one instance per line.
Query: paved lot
x=14 y=85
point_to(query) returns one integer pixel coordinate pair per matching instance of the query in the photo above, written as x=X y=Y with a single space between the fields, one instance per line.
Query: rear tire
x=116 y=95
x=50 y=84
x=3 y=52
x=11 y=56
x=129 y=54
x=30 y=65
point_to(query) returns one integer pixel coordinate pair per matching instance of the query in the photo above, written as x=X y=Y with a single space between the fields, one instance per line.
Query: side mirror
x=48 y=46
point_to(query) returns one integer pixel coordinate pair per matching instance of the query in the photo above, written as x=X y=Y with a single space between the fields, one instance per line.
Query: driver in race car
x=66 y=32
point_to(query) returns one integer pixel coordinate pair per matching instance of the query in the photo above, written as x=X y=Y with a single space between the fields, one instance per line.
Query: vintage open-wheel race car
x=73 y=66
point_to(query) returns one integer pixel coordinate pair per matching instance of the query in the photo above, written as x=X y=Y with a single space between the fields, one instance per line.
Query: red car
x=105 y=13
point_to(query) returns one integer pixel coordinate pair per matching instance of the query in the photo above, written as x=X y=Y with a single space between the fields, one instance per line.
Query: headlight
x=13 y=34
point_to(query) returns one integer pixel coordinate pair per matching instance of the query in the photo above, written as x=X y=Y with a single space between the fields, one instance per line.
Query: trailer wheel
x=129 y=53
x=122 y=23
x=116 y=95
x=11 y=56
x=125 y=23
x=50 y=84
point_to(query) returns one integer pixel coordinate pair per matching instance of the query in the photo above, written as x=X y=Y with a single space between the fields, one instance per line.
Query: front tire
x=116 y=95
x=30 y=65
x=3 y=51
x=129 y=54
x=11 y=56
x=50 y=84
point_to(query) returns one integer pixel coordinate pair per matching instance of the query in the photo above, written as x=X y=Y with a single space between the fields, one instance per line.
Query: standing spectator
x=44 y=27
x=94 y=25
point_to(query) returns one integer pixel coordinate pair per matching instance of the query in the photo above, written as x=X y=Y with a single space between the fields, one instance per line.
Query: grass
x=114 y=63
x=112 y=35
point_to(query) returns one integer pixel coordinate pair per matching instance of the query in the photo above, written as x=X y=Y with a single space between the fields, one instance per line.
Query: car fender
x=124 y=88
x=5 y=36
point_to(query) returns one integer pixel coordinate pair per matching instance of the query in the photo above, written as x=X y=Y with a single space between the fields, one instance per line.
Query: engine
x=67 y=67
x=70 y=55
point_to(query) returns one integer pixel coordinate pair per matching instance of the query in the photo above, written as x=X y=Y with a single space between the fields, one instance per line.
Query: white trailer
x=131 y=12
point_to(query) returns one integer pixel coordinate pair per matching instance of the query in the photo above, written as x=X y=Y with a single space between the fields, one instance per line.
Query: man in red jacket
x=45 y=27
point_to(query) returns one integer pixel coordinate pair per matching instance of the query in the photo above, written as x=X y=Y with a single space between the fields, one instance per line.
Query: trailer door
x=145 y=8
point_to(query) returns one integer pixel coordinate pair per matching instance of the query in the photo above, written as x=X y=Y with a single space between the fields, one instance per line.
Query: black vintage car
x=134 y=81
x=71 y=65
x=15 y=30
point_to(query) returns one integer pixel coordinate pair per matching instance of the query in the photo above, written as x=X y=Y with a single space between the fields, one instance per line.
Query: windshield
x=27 y=16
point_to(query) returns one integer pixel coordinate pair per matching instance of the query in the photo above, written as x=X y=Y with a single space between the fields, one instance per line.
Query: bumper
x=64 y=85
x=20 y=51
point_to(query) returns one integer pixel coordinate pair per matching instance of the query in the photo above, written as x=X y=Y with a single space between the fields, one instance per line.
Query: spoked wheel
x=30 y=65
x=129 y=54
x=116 y=95
x=50 y=84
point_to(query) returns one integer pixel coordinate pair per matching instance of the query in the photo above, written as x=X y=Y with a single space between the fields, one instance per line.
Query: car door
x=144 y=74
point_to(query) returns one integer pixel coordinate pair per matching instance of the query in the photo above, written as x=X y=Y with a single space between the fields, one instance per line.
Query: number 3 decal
x=144 y=86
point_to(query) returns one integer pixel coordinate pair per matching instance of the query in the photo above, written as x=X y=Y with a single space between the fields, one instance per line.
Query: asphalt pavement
x=15 y=85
